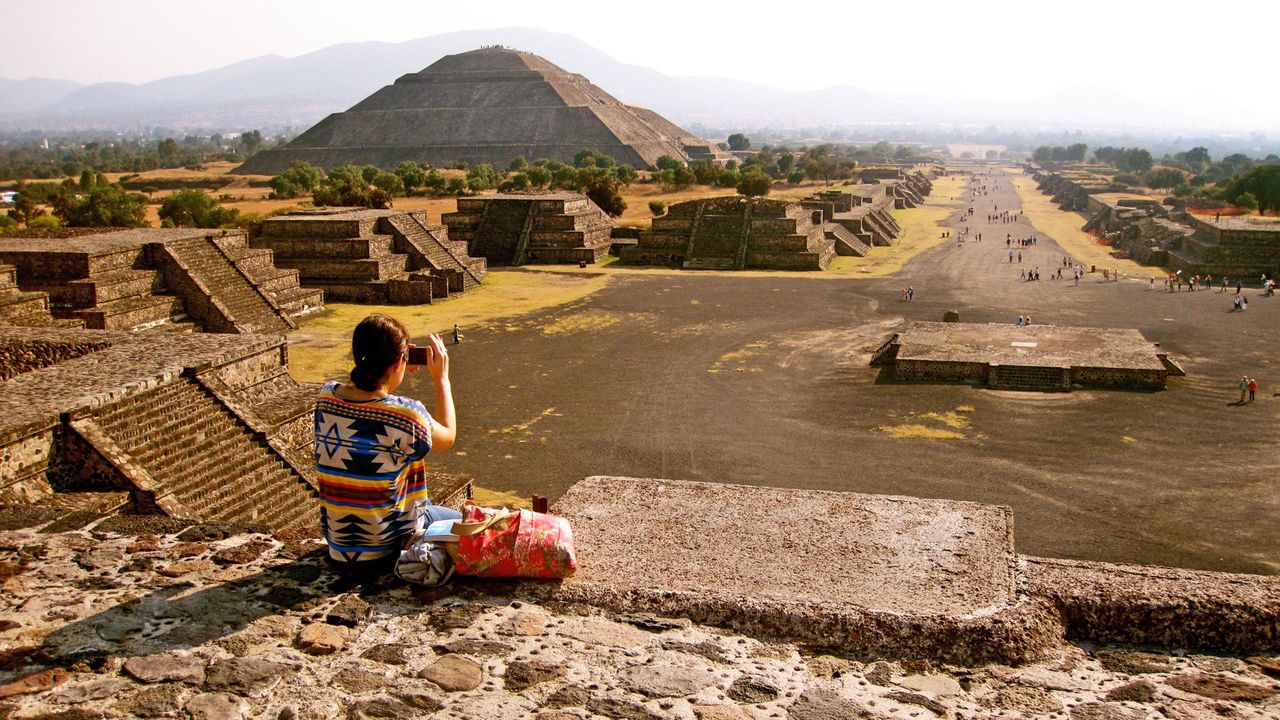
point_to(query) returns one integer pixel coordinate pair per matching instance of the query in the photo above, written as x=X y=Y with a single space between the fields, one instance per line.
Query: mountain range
x=273 y=92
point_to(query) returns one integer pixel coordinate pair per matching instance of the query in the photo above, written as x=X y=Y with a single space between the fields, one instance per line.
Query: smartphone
x=418 y=355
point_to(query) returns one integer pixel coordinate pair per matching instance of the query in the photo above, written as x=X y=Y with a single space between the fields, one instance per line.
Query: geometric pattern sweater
x=371 y=471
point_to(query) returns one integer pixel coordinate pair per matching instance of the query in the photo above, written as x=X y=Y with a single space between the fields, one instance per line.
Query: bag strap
x=462 y=529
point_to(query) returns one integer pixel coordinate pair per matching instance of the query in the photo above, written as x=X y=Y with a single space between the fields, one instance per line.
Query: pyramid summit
x=485 y=106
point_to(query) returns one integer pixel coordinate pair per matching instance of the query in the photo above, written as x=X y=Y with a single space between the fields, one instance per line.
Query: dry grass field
x=1065 y=228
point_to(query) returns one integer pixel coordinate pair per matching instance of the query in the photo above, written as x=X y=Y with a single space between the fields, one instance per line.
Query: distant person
x=457 y=336
x=1244 y=388
x=1253 y=388
x=371 y=446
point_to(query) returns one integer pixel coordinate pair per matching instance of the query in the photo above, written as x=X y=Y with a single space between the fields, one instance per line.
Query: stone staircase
x=431 y=249
x=30 y=309
x=884 y=228
x=280 y=285
x=1029 y=377
x=110 y=292
x=181 y=447
x=847 y=243
x=219 y=294
x=511 y=229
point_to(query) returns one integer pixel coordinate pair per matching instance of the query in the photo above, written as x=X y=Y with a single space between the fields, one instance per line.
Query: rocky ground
x=205 y=624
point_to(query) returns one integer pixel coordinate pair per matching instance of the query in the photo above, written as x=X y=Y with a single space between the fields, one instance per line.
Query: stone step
x=132 y=313
x=8 y=277
x=387 y=268
x=15 y=303
x=298 y=301
x=105 y=287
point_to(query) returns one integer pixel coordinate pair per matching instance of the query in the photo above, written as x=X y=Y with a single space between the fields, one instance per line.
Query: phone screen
x=418 y=356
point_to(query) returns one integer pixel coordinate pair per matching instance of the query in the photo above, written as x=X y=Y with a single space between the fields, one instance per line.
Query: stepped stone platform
x=874 y=575
x=176 y=279
x=519 y=228
x=371 y=256
x=489 y=105
x=863 y=211
x=197 y=426
x=1033 y=357
x=736 y=233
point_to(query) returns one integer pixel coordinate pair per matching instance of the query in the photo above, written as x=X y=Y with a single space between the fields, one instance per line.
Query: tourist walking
x=1244 y=389
x=1253 y=388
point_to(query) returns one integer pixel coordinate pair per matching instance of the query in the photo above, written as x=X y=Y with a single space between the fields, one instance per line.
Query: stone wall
x=25 y=354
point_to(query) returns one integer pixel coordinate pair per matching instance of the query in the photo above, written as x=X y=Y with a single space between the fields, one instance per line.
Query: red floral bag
x=502 y=543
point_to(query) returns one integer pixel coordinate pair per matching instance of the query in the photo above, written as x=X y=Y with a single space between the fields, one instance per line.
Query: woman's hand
x=437 y=358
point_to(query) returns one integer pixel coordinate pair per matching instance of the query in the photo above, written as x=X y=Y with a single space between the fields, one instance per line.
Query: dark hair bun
x=377 y=343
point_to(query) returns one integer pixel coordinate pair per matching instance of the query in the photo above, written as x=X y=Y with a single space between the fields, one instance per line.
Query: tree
x=786 y=161
x=168 y=151
x=1262 y=182
x=1044 y=153
x=602 y=187
x=706 y=172
x=657 y=207
x=1164 y=177
x=24 y=206
x=1246 y=201
x=250 y=142
x=194 y=208
x=108 y=206
x=412 y=175
x=540 y=176
x=86 y=179
x=992 y=154
x=299 y=179
x=738 y=141
x=728 y=178
x=666 y=162
x=625 y=174
x=755 y=184
x=389 y=183
x=8 y=223
x=517 y=163
x=481 y=177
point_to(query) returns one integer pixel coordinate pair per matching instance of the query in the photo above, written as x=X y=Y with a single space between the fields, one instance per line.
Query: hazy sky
x=1199 y=51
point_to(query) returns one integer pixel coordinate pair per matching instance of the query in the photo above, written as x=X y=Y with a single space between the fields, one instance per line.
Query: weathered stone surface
x=569 y=696
x=217 y=706
x=1270 y=666
x=323 y=638
x=528 y=623
x=246 y=676
x=386 y=654
x=470 y=646
x=1024 y=699
x=454 y=673
x=1139 y=691
x=826 y=705
x=240 y=554
x=1220 y=688
x=164 y=668
x=924 y=701
x=932 y=684
x=186 y=567
x=1106 y=711
x=750 y=690
x=829 y=666
x=350 y=611
x=420 y=699
x=598 y=631
x=84 y=692
x=522 y=674
x=357 y=681
x=721 y=712
x=621 y=709
x=154 y=701
x=666 y=679
x=382 y=709
x=1132 y=662
x=34 y=682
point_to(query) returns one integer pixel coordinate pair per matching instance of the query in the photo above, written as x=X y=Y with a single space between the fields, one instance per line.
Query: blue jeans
x=433 y=513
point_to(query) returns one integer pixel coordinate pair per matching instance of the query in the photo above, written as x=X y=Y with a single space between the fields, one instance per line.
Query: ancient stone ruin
x=1032 y=357
x=519 y=228
x=371 y=256
x=175 y=279
x=735 y=233
x=191 y=425
x=485 y=106
x=1144 y=229
x=863 y=211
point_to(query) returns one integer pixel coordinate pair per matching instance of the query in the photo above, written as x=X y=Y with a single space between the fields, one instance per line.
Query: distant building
x=7 y=197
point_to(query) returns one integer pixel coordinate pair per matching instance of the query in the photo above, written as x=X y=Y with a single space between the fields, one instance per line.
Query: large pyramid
x=484 y=106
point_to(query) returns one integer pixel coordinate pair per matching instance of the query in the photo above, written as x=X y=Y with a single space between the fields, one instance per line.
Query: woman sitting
x=371 y=446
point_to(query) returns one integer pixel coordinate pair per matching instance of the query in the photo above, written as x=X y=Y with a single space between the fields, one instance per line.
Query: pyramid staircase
x=194 y=459
x=431 y=249
x=30 y=309
x=847 y=243
x=512 y=229
x=109 y=290
x=220 y=295
x=280 y=285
